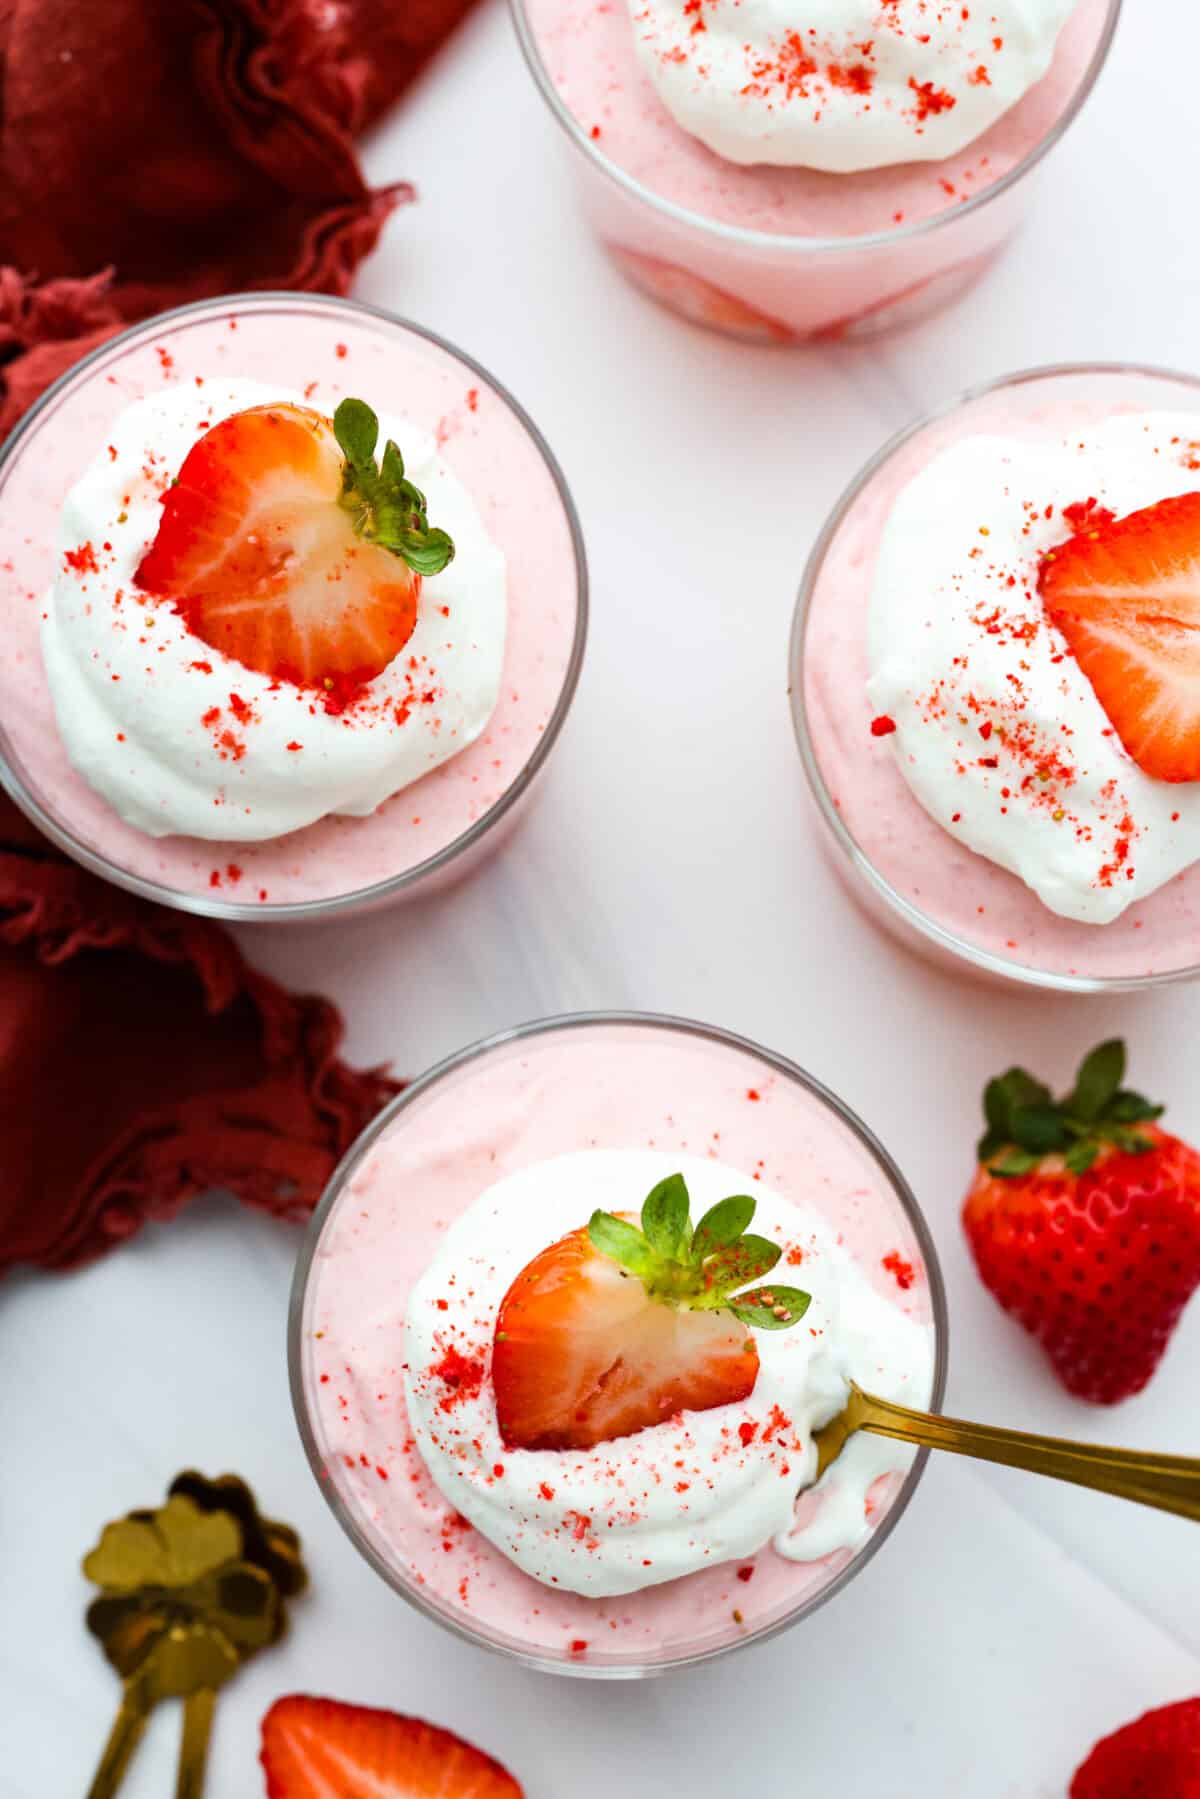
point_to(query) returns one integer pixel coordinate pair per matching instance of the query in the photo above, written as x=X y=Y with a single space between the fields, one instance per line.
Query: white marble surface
x=670 y=865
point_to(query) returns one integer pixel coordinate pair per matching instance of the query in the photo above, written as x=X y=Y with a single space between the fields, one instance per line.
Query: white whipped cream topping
x=843 y=85
x=689 y=1493
x=998 y=731
x=135 y=712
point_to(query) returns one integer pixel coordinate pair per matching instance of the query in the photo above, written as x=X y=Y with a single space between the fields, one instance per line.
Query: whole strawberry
x=1084 y=1219
x=1155 y=1757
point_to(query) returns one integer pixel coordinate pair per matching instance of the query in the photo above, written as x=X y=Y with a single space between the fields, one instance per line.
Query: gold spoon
x=1169 y=1482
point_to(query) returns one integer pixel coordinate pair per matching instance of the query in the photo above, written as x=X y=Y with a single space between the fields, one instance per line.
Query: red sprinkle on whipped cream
x=997 y=730
x=854 y=84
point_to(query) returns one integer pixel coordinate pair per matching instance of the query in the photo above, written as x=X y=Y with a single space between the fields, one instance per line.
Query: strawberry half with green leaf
x=1084 y=1219
x=285 y=547
x=616 y=1328
x=1155 y=1757
x=322 y=1749
x=1126 y=596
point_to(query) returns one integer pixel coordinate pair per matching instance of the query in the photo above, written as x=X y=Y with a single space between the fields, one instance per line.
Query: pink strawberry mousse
x=326 y=350
x=924 y=881
x=610 y=1084
x=855 y=248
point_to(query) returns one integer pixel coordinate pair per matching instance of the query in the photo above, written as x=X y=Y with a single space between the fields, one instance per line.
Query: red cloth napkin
x=153 y=152
x=158 y=151
x=143 y=1061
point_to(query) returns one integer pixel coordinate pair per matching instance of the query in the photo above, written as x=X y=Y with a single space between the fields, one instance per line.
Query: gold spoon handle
x=1169 y=1482
x=193 y=1748
x=123 y=1739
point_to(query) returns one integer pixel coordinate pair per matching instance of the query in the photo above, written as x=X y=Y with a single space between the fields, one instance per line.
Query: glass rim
x=366 y=1141
x=202 y=904
x=984 y=961
x=762 y=240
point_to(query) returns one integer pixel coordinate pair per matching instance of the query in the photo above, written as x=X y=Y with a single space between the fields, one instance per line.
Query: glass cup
x=607 y=1080
x=1156 y=941
x=441 y=827
x=768 y=287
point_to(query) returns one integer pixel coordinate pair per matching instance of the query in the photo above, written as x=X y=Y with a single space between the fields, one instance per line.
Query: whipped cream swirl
x=843 y=85
x=180 y=739
x=703 y=1488
x=999 y=733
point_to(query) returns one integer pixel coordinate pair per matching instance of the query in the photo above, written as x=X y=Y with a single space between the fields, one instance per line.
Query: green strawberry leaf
x=392 y=471
x=746 y=1260
x=722 y=1224
x=426 y=551
x=623 y=1242
x=706 y=1269
x=1134 y=1143
x=1015 y=1163
x=1098 y=1081
x=996 y=1104
x=357 y=431
x=1002 y=1099
x=1026 y=1124
x=1080 y=1156
x=387 y=508
x=665 y=1217
x=771 y=1308
x=1039 y=1129
x=1132 y=1108
x=1021 y=1089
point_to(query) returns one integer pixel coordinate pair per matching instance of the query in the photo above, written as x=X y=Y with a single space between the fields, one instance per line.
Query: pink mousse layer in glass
x=977 y=902
x=588 y=50
x=328 y=349
x=781 y=255
x=610 y=1084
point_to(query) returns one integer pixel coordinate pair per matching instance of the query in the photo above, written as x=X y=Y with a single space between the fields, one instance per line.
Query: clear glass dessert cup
x=547 y=624
x=767 y=287
x=824 y=1151
x=1157 y=940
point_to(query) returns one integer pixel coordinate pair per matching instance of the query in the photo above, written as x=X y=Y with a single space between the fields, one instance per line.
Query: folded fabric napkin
x=142 y=1061
x=154 y=152
x=158 y=151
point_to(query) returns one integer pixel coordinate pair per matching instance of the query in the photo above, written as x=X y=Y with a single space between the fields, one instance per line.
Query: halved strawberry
x=285 y=547
x=1126 y=596
x=322 y=1749
x=614 y=1329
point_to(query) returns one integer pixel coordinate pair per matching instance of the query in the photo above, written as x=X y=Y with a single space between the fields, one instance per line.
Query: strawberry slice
x=681 y=290
x=322 y=1749
x=286 y=548
x=1126 y=596
x=614 y=1329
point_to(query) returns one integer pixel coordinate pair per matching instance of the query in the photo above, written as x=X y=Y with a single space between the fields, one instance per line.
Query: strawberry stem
x=704 y=1269
x=1025 y=1123
x=386 y=507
